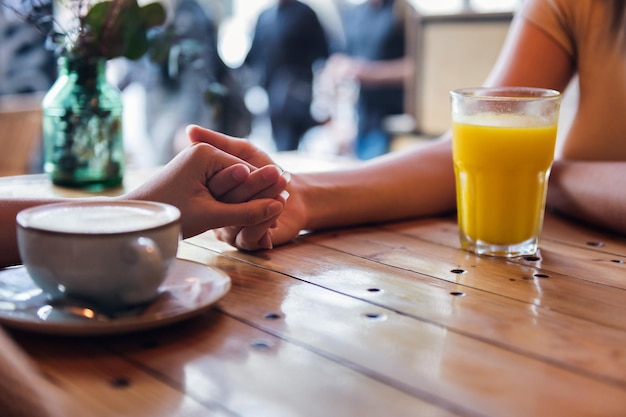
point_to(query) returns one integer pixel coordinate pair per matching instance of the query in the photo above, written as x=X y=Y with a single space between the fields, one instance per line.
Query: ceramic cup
x=110 y=254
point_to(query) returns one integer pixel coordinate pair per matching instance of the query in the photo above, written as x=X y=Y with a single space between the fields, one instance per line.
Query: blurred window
x=494 y=5
x=456 y=6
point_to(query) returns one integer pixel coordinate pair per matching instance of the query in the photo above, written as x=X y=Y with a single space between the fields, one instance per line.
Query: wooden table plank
x=568 y=232
x=484 y=315
x=213 y=365
x=584 y=255
x=444 y=230
x=420 y=357
x=248 y=371
x=520 y=280
x=106 y=384
x=389 y=320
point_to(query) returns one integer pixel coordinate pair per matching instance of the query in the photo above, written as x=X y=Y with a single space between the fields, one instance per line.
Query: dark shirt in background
x=288 y=40
x=375 y=32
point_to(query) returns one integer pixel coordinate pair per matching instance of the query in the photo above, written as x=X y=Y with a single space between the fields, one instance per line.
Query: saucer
x=189 y=289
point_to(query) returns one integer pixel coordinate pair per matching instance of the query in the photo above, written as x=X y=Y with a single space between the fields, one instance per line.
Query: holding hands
x=203 y=182
x=261 y=185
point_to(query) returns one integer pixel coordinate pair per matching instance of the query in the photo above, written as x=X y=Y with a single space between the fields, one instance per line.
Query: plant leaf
x=114 y=28
x=152 y=14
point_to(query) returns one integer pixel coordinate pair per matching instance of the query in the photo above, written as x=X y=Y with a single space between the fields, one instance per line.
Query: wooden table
x=386 y=320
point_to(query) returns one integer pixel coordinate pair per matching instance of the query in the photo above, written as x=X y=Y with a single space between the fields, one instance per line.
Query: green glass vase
x=82 y=127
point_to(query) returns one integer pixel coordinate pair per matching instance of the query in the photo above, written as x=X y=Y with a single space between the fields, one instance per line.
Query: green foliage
x=101 y=29
x=115 y=28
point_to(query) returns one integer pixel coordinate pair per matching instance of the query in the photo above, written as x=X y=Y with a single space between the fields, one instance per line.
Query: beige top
x=584 y=29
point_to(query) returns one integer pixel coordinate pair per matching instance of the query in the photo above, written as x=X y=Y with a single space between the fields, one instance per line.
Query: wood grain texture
x=379 y=320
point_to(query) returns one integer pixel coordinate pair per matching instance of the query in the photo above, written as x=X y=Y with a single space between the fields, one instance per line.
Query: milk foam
x=91 y=219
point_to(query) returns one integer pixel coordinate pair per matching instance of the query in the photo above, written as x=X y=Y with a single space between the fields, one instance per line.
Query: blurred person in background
x=288 y=41
x=374 y=59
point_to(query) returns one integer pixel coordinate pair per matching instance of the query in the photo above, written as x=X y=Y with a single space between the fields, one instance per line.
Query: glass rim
x=506 y=93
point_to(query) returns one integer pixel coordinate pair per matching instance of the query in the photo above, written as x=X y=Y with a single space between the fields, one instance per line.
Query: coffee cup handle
x=144 y=258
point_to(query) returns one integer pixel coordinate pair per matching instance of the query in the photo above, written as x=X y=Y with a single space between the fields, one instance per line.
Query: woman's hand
x=200 y=176
x=266 y=235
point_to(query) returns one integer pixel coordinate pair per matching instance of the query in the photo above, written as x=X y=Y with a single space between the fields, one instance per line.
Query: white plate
x=189 y=289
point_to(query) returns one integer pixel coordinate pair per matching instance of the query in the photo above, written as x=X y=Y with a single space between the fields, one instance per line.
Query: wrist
x=299 y=200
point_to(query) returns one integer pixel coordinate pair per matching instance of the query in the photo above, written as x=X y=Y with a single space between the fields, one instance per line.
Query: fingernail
x=284 y=194
x=286 y=175
x=189 y=127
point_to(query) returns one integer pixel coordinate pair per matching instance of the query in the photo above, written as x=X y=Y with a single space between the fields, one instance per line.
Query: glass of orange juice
x=503 y=141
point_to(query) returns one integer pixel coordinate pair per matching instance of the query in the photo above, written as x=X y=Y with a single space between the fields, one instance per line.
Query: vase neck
x=88 y=72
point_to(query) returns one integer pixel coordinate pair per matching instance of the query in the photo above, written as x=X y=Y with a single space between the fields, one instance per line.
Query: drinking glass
x=503 y=141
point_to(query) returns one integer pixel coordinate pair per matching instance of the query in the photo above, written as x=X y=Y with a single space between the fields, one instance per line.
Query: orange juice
x=501 y=164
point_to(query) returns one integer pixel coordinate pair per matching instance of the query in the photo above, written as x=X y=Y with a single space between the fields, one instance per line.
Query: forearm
x=590 y=191
x=9 y=208
x=397 y=186
x=24 y=390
